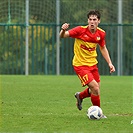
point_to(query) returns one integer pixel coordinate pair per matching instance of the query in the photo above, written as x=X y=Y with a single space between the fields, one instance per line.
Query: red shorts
x=87 y=73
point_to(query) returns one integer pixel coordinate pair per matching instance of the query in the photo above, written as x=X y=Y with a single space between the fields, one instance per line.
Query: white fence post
x=26 y=39
x=120 y=39
x=57 y=37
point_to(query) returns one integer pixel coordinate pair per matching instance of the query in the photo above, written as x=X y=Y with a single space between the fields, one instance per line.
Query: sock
x=85 y=93
x=95 y=100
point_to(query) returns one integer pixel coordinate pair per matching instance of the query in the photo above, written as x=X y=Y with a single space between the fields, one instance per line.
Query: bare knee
x=94 y=87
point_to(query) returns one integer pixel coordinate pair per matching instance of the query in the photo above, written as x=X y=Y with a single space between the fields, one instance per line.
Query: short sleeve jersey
x=85 y=45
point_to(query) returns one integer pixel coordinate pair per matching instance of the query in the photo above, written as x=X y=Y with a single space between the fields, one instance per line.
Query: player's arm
x=106 y=56
x=63 y=32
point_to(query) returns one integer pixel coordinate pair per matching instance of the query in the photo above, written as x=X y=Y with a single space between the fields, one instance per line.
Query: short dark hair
x=94 y=12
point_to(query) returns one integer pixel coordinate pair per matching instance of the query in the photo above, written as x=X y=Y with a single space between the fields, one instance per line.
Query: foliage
x=13 y=47
x=42 y=33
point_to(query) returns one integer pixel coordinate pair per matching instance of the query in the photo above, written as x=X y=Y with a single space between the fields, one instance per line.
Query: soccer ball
x=94 y=113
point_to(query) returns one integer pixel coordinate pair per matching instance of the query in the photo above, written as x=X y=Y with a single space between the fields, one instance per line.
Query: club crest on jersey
x=98 y=38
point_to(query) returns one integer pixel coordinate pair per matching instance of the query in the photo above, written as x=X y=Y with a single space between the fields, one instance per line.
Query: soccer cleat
x=79 y=101
x=104 y=117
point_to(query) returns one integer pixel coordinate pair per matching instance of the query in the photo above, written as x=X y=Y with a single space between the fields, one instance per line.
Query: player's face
x=93 y=22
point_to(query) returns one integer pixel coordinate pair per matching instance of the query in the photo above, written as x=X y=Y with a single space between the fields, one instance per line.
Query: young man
x=84 y=62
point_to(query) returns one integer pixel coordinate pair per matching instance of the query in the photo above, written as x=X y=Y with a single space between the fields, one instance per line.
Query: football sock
x=95 y=100
x=85 y=93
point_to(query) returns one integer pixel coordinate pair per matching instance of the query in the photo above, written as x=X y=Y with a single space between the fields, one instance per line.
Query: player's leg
x=95 y=93
x=94 y=86
x=85 y=93
x=85 y=77
x=89 y=76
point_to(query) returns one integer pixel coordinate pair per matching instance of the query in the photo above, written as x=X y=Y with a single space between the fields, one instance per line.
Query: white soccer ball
x=94 y=113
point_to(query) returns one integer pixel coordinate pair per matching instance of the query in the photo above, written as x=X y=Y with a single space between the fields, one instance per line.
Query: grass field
x=46 y=104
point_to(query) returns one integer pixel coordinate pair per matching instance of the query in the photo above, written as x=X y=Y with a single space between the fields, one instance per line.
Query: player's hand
x=65 y=26
x=112 y=68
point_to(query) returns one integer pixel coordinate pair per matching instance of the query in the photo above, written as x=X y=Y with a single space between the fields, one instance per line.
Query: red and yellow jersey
x=85 y=45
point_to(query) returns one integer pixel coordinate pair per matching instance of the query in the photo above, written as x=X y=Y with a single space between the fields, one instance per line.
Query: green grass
x=46 y=104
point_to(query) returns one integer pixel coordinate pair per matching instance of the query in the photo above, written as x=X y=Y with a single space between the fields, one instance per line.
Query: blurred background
x=29 y=35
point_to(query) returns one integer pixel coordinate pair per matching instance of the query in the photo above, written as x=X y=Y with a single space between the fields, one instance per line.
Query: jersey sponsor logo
x=86 y=48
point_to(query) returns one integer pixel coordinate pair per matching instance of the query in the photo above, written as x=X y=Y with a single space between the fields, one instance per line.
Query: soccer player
x=84 y=61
